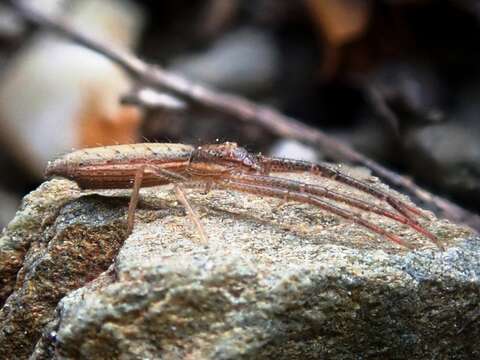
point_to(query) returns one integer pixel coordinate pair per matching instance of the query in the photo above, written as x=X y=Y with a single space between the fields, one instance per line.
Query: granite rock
x=276 y=280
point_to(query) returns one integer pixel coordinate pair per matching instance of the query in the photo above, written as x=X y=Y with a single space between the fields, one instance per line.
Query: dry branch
x=279 y=124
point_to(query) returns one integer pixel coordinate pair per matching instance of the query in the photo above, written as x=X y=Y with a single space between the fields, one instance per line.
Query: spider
x=227 y=166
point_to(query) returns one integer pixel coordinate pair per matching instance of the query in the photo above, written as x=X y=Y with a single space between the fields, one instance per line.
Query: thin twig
x=241 y=108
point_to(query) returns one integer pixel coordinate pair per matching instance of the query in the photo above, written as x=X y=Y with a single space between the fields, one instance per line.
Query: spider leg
x=308 y=199
x=180 y=194
x=166 y=174
x=132 y=206
x=137 y=184
x=291 y=165
x=178 y=179
x=330 y=194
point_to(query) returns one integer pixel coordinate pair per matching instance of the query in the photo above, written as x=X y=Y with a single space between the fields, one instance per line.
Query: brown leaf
x=340 y=21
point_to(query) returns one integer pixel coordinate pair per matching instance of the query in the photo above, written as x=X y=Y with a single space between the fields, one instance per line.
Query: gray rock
x=405 y=92
x=8 y=206
x=245 y=61
x=276 y=280
x=44 y=257
x=448 y=156
x=26 y=229
x=11 y=26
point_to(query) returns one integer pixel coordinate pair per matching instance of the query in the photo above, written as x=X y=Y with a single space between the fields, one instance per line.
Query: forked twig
x=276 y=122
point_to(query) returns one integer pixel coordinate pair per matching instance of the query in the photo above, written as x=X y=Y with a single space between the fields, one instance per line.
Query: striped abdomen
x=114 y=167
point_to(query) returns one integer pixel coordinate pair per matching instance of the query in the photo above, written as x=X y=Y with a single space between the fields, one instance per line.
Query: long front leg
x=309 y=199
x=323 y=192
x=291 y=165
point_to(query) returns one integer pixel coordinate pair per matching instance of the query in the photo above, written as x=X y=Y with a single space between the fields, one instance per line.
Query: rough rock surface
x=276 y=280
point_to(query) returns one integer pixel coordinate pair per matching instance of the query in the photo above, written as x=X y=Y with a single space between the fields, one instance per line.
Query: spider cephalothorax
x=220 y=158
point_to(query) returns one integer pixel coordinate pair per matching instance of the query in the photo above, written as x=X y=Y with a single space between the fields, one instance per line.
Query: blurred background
x=399 y=80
